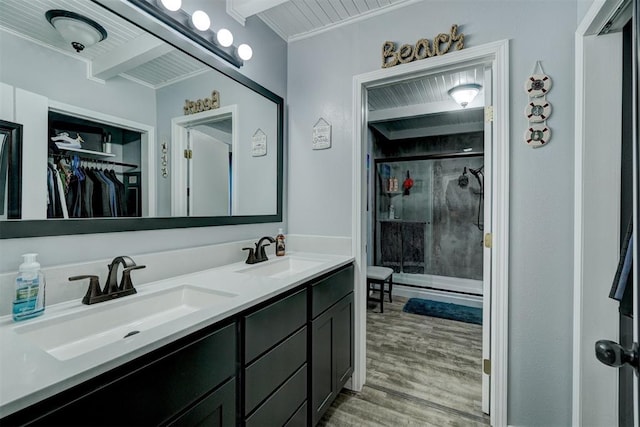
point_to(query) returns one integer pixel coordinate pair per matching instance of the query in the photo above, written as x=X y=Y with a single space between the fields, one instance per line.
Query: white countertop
x=28 y=374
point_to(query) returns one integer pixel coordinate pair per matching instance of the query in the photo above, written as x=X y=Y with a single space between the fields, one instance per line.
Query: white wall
x=540 y=283
x=268 y=67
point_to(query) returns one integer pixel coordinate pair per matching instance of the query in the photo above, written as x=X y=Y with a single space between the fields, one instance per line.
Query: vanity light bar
x=180 y=21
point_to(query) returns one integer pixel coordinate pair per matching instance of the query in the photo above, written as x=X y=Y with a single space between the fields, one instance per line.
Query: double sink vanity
x=257 y=345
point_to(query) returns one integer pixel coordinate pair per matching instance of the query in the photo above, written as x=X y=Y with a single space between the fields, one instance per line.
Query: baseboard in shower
x=468 y=300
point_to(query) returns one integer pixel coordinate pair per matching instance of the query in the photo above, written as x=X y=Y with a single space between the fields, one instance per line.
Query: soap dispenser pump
x=30 y=289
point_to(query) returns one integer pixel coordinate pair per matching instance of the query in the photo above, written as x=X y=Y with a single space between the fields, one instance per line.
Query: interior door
x=625 y=354
x=208 y=172
x=486 y=258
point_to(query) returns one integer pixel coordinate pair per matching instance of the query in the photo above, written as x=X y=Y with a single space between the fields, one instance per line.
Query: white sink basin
x=72 y=335
x=280 y=268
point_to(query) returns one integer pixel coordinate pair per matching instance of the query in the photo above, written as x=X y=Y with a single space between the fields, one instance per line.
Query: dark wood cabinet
x=280 y=363
x=158 y=388
x=331 y=340
x=275 y=363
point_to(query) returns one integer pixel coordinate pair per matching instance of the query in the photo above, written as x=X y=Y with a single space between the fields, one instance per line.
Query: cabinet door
x=150 y=394
x=331 y=355
x=343 y=341
x=216 y=410
x=322 y=373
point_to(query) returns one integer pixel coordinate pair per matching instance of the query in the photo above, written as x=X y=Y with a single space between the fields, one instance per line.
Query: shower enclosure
x=429 y=220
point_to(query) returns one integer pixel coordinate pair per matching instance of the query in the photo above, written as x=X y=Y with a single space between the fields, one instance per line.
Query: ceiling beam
x=138 y=51
x=240 y=10
x=436 y=130
x=421 y=110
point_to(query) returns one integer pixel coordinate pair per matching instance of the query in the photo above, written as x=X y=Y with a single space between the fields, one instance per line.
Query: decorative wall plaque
x=422 y=49
x=321 y=135
x=192 y=107
x=259 y=144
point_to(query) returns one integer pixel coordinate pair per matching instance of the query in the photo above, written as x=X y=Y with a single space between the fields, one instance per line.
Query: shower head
x=463 y=180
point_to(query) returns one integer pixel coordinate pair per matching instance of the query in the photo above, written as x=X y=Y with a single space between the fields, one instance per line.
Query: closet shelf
x=96 y=154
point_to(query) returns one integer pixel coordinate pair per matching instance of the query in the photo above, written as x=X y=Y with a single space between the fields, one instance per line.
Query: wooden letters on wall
x=422 y=49
x=192 y=107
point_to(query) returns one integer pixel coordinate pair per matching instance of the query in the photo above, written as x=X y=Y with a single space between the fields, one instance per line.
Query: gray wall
x=268 y=67
x=256 y=184
x=541 y=194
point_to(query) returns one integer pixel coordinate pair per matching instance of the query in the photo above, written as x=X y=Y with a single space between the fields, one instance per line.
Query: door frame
x=179 y=128
x=496 y=53
x=592 y=215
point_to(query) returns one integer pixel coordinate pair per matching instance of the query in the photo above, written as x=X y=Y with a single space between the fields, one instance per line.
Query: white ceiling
x=131 y=53
x=295 y=19
x=127 y=51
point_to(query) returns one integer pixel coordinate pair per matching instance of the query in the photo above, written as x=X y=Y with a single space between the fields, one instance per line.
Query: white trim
x=590 y=25
x=445 y=283
x=179 y=127
x=436 y=295
x=578 y=231
x=496 y=53
x=147 y=147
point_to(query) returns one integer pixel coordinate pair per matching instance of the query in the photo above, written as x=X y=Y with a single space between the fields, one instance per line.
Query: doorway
x=496 y=229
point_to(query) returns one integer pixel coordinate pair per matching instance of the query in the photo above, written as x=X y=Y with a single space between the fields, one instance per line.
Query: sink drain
x=130 y=333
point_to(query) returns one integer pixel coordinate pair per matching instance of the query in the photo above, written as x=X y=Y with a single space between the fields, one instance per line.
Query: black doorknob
x=613 y=354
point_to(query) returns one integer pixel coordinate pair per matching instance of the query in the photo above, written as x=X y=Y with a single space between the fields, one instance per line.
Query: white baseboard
x=441 y=296
x=455 y=284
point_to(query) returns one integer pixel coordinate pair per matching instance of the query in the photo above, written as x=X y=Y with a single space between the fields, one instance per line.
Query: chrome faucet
x=111 y=288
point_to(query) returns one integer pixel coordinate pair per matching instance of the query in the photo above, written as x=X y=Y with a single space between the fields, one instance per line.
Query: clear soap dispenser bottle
x=30 y=289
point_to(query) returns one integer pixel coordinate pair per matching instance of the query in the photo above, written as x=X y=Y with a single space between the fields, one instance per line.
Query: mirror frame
x=13 y=168
x=145 y=19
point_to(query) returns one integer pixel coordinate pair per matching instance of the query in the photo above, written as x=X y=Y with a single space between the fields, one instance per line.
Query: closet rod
x=91 y=159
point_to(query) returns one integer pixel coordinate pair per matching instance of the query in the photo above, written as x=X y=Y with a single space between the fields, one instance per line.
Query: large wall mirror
x=109 y=141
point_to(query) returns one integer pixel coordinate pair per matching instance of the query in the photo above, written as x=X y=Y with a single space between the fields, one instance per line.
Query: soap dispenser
x=280 y=243
x=30 y=289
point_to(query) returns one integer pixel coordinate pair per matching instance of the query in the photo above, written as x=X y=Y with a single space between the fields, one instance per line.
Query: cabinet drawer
x=330 y=290
x=299 y=419
x=271 y=324
x=283 y=403
x=152 y=394
x=269 y=371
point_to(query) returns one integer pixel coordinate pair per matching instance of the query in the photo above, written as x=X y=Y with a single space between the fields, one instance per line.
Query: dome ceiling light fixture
x=81 y=32
x=464 y=94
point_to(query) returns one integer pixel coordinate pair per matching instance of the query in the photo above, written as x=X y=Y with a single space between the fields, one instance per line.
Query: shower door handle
x=613 y=354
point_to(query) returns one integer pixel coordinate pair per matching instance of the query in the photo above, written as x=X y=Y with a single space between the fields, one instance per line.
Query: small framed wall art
x=321 y=138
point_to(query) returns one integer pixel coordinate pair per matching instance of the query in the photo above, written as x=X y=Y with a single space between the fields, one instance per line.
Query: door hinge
x=488 y=240
x=188 y=154
x=486 y=366
x=488 y=113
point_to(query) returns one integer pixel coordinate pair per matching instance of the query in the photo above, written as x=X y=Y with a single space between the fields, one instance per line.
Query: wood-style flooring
x=421 y=371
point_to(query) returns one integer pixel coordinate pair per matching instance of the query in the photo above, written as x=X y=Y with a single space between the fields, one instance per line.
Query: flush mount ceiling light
x=464 y=94
x=76 y=29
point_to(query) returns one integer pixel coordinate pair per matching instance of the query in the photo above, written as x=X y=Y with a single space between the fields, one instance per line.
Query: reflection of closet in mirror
x=204 y=166
x=93 y=169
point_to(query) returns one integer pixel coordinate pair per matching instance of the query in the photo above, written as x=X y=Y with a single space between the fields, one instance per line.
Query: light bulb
x=225 y=38
x=201 y=20
x=172 y=5
x=245 y=52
